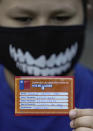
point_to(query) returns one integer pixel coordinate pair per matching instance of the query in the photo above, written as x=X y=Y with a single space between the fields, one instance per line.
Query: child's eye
x=62 y=18
x=23 y=19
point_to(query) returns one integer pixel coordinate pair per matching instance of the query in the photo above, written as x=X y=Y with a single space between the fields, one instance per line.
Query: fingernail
x=73 y=113
x=72 y=124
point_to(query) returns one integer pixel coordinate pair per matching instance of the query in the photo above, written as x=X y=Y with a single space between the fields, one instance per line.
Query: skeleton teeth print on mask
x=55 y=65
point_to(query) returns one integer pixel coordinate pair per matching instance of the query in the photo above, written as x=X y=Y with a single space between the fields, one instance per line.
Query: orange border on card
x=48 y=114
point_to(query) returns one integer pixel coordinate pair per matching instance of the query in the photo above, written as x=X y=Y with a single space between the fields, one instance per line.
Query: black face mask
x=41 y=51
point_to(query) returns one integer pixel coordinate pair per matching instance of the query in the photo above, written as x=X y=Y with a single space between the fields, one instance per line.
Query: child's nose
x=41 y=21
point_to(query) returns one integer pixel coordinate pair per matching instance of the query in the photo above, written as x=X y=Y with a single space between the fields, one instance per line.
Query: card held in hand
x=44 y=96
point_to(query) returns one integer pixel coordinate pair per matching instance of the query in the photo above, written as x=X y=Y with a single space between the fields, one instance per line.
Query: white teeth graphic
x=41 y=61
x=28 y=58
x=51 y=61
x=61 y=59
x=21 y=67
x=29 y=70
x=16 y=55
x=41 y=66
x=13 y=53
x=44 y=72
x=20 y=55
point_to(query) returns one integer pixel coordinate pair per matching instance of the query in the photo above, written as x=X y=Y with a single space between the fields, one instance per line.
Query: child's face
x=20 y=13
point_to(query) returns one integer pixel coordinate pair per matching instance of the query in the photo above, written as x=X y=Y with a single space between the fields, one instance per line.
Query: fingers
x=85 y=121
x=82 y=129
x=81 y=118
x=75 y=113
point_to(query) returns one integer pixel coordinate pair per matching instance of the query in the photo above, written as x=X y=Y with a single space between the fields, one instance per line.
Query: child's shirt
x=8 y=121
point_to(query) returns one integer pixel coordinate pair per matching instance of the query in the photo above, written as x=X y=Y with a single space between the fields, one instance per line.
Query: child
x=44 y=37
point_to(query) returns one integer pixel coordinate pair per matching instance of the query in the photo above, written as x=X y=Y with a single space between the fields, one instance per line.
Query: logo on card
x=24 y=84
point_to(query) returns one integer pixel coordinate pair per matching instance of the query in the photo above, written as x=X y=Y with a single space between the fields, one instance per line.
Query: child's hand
x=81 y=119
